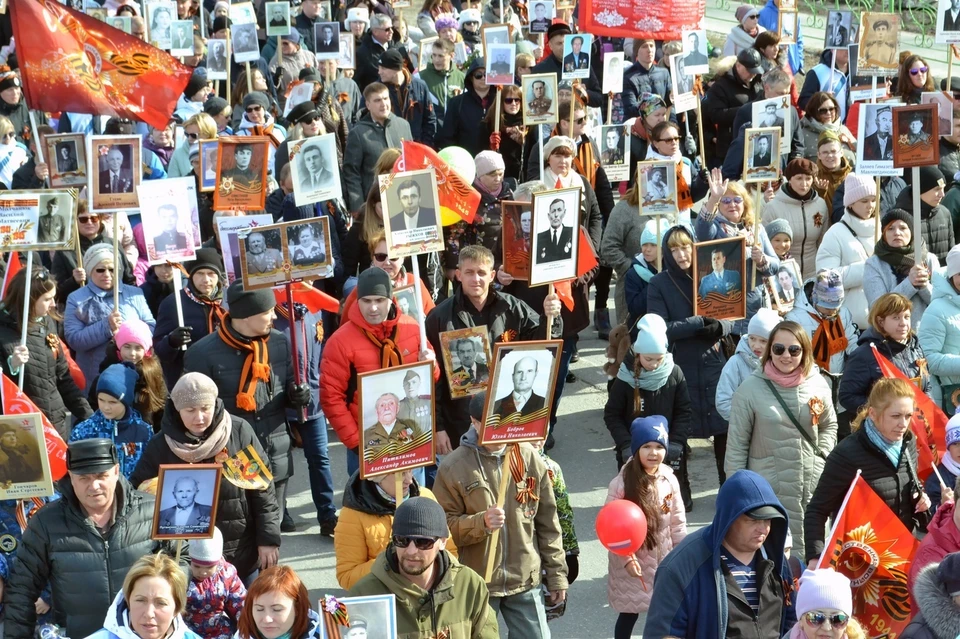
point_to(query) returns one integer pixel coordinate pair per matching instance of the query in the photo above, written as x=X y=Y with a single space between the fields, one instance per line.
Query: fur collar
x=939 y=612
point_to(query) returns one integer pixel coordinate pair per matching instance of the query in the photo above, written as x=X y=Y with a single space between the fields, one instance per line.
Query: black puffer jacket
x=899 y=487
x=46 y=380
x=936 y=224
x=938 y=616
x=862 y=371
x=246 y=518
x=155 y=291
x=720 y=107
x=224 y=365
x=84 y=569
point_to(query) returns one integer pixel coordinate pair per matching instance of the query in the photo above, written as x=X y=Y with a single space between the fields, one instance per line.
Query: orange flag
x=17 y=403
x=871 y=546
x=929 y=423
x=456 y=195
x=313 y=298
x=586 y=261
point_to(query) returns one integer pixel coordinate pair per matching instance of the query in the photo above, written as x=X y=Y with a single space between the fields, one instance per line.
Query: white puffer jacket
x=845 y=247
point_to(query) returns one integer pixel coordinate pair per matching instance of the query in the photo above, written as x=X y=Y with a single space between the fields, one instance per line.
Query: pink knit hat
x=134 y=331
x=856 y=187
x=743 y=11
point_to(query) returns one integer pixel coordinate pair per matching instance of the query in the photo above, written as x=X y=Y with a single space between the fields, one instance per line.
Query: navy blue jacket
x=690 y=595
x=637 y=81
x=861 y=370
x=194 y=316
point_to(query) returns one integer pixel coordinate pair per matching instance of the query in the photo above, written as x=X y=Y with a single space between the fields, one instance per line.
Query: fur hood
x=939 y=612
x=724 y=65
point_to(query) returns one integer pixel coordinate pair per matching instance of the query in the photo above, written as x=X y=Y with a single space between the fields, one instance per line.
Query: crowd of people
x=135 y=372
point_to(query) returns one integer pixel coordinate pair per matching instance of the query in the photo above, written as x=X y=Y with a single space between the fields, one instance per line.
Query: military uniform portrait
x=169 y=227
x=186 y=506
x=500 y=63
x=24 y=465
x=370 y=617
x=241 y=173
x=542 y=16
x=719 y=271
x=879 y=34
x=761 y=154
x=466 y=360
x=555 y=235
x=396 y=418
x=522 y=383
x=263 y=254
x=66 y=159
x=539 y=98
x=54 y=226
x=916 y=135
x=614 y=143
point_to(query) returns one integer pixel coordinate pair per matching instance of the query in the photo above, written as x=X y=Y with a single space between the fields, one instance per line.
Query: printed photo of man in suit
x=413 y=215
x=116 y=179
x=837 y=34
x=951 y=17
x=576 y=59
x=719 y=280
x=183 y=35
x=761 y=152
x=328 y=40
x=556 y=243
x=522 y=401
x=187 y=517
x=879 y=144
x=314 y=175
x=470 y=372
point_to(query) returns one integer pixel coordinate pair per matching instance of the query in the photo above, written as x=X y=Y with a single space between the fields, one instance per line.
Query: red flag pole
x=293 y=344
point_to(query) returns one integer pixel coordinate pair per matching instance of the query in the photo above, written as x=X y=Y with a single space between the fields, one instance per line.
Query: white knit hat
x=763 y=323
x=953 y=261
x=207 y=552
x=100 y=252
x=822 y=589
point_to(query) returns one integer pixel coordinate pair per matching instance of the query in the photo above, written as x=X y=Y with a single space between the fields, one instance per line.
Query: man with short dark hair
x=444 y=80
x=413 y=215
x=643 y=76
x=738 y=86
x=433 y=590
x=169 y=239
x=82 y=544
x=730 y=578
x=409 y=97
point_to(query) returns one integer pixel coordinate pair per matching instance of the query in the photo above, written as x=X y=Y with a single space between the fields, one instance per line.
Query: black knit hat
x=197 y=82
x=374 y=282
x=215 y=105
x=310 y=74
x=930 y=177
x=207 y=258
x=257 y=97
x=476 y=406
x=219 y=24
x=420 y=517
x=896 y=214
x=244 y=304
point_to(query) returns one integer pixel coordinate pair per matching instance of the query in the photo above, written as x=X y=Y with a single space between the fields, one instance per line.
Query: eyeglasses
x=827 y=109
x=578 y=120
x=673 y=139
x=779 y=349
x=817 y=618
x=918 y=71
x=103 y=270
x=193 y=136
x=88 y=219
x=383 y=257
x=254 y=108
x=511 y=100
x=384 y=29
x=422 y=543
x=731 y=200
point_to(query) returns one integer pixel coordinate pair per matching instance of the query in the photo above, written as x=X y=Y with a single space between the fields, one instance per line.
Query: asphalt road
x=585 y=452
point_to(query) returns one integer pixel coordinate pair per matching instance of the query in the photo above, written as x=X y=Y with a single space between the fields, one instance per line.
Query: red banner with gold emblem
x=72 y=62
x=654 y=19
x=929 y=424
x=871 y=546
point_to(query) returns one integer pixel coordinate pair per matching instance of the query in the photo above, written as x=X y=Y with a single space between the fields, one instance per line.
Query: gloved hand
x=689 y=144
x=712 y=329
x=298 y=395
x=180 y=336
x=495 y=141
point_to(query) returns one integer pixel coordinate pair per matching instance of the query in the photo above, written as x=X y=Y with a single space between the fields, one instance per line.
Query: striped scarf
x=256 y=367
x=389 y=355
x=828 y=340
x=214 y=311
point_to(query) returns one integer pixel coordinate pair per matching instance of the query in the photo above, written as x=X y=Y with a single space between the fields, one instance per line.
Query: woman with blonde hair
x=150 y=604
x=883 y=449
x=783 y=423
x=825 y=607
x=198 y=127
x=13 y=154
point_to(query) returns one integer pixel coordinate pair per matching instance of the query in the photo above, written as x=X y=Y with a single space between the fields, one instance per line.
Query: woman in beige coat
x=783 y=423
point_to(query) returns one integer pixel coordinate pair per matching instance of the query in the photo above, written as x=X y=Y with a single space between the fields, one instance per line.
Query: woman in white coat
x=848 y=244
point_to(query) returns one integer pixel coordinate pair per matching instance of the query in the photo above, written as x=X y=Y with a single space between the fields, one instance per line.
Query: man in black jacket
x=82 y=544
x=738 y=86
x=409 y=97
x=552 y=64
x=936 y=225
x=476 y=303
x=645 y=76
x=374 y=43
x=465 y=112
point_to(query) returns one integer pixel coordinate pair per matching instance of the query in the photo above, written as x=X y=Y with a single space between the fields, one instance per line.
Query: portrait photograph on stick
x=515 y=238
x=37 y=220
x=840 y=30
x=396 y=407
x=314 y=168
x=784 y=286
x=875 y=133
x=182 y=44
x=576 y=56
x=879 y=34
x=658 y=186
x=539 y=98
x=186 y=506
x=278 y=19
x=348 y=53
x=500 y=63
x=555 y=235
x=916 y=135
x=217 y=57
x=761 y=155
x=406 y=297
x=466 y=358
x=787 y=26
x=246 y=47
x=66 y=159
x=241 y=173
x=168 y=225
x=682 y=84
x=24 y=464
x=228 y=229
x=948 y=22
x=263 y=261
x=494 y=34
x=208 y=165
x=542 y=16
x=111 y=185
x=695 y=50
x=370 y=617
x=327 y=36
x=719 y=273
x=944 y=110
x=160 y=17
x=308 y=247
x=615 y=153
x=612 y=73
x=523 y=378
x=774 y=112
x=411 y=212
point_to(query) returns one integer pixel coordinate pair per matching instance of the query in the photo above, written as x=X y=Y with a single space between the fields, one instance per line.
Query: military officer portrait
x=539 y=98
x=414 y=407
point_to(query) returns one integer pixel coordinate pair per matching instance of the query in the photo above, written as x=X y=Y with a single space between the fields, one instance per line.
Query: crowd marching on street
x=233 y=229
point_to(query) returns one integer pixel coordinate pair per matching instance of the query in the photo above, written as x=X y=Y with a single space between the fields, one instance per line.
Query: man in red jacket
x=375 y=335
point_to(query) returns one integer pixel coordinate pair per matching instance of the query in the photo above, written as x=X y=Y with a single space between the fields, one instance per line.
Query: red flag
x=653 y=19
x=17 y=403
x=872 y=547
x=457 y=197
x=72 y=62
x=586 y=262
x=314 y=299
x=929 y=424
x=13 y=267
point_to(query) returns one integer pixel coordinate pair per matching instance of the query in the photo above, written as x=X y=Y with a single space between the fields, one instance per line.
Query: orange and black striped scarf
x=389 y=355
x=828 y=340
x=214 y=311
x=256 y=368
x=584 y=163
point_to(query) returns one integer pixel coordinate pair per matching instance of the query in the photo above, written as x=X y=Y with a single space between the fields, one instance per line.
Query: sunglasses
x=817 y=618
x=511 y=100
x=313 y=118
x=88 y=219
x=753 y=16
x=103 y=270
x=383 y=257
x=193 y=136
x=253 y=109
x=479 y=76
x=795 y=350
x=673 y=139
x=731 y=200
x=918 y=71
x=827 y=109
x=422 y=543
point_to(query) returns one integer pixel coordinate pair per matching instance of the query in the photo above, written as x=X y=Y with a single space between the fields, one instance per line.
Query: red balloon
x=621 y=527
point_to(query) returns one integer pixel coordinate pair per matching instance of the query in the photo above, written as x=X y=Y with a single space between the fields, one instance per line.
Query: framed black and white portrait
x=658 y=188
x=217 y=56
x=160 y=17
x=555 y=236
x=208 y=165
x=774 y=112
x=169 y=229
x=787 y=26
x=278 y=19
x=314 y=169
x=182 y=42
x=37 y=220
x=370 y=617
x=695 y=52
x=411 y=212
x=327 y=36
x=615 y=152
x=612 y=72
x=66 y=159
x=500 y=60
x=840 y=30
x=348 y=52
x=761 y=154
x=186 y=505
x=875 y=136
x=56 y=217
x=879 y=35
x=406 y=297
x=112 y=183
x=246 y=48
x=542 y=15
x=308 y=247
x=466 y=360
